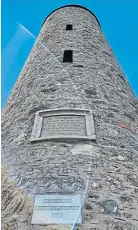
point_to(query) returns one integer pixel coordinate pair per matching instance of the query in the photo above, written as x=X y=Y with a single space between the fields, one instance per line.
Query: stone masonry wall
x=110 y=164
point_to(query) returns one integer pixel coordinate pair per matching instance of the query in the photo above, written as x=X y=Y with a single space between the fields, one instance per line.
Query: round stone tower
x=69 y=129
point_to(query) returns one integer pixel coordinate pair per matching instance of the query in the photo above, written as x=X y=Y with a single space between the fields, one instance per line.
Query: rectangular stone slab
x=63 y=124
x=57 y=209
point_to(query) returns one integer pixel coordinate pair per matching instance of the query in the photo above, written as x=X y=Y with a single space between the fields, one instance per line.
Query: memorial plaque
x=57 y=209
x=63 y=124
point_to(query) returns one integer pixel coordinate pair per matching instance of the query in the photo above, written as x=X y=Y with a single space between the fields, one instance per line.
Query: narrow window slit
x=68 y=56
x=69 y=27
x=78 y=65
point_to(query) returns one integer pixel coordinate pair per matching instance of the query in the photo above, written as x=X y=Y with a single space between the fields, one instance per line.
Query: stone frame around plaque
x=40 y=115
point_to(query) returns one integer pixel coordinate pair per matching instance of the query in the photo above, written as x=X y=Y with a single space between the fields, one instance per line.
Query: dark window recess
x=68 y=56
x=68 y=27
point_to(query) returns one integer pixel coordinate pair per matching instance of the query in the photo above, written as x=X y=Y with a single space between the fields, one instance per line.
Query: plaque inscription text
x=64 y=125
x=53 y=209
x=72 y=124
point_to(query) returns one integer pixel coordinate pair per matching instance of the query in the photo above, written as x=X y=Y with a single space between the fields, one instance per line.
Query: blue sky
x=118 y=19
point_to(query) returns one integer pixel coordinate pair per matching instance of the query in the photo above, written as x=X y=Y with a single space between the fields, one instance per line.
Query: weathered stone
x=95 y=185
x=90 y=92
x=121 y=158
x=126 y=198
x=88 y=206
x=109 y=206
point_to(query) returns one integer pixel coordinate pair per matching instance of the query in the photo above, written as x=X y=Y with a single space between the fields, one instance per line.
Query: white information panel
x=57 y=209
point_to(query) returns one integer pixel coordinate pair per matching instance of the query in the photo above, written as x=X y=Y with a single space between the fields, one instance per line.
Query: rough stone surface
x=106 y=170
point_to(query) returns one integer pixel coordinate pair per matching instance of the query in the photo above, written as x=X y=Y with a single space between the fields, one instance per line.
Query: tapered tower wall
x=93 y=81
